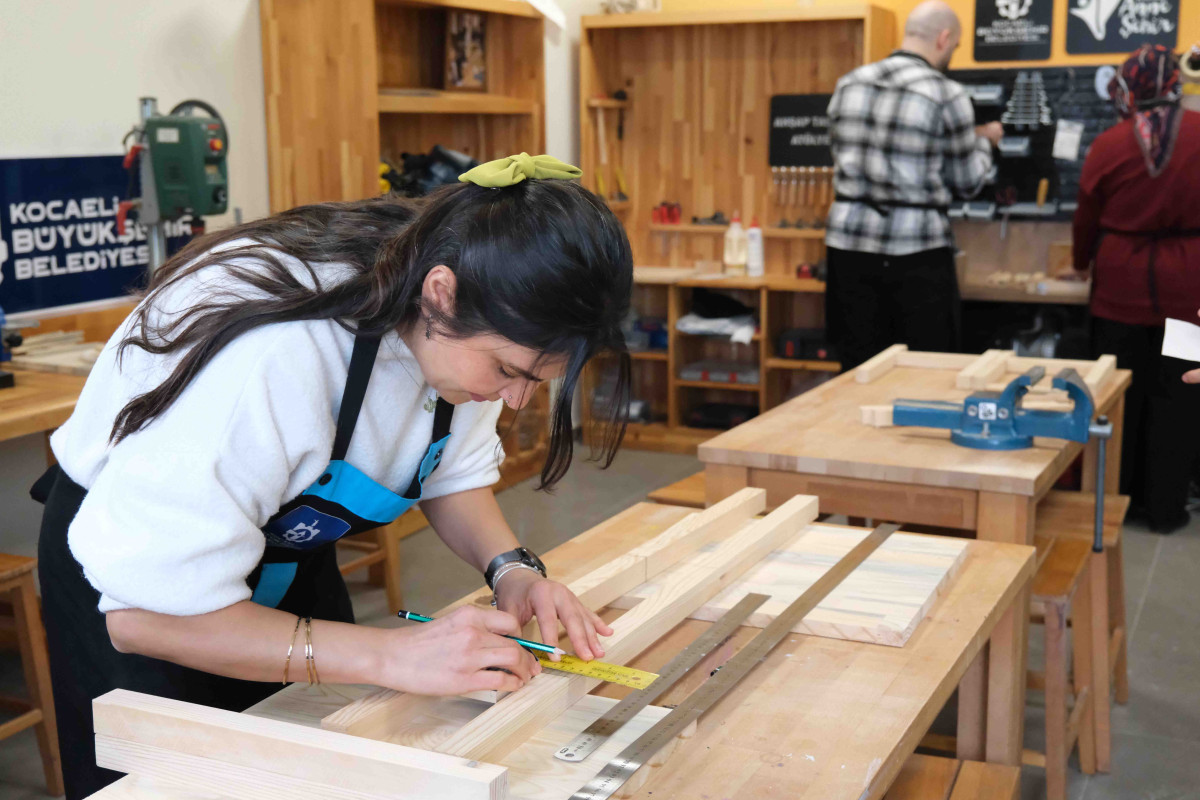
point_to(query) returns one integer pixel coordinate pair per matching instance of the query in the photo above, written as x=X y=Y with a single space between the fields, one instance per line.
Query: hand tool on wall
x=793 y=186
x=622 y=194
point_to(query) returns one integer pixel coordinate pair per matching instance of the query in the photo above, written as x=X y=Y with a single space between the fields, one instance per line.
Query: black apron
x=883 y=207
x=298 y=573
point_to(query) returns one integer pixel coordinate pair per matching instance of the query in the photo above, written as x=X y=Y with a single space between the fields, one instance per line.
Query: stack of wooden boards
x=63 y=352
x=422 y=747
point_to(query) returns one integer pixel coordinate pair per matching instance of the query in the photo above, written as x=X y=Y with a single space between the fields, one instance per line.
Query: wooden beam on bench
x=498 y=730
x=879 y=365
x=985 y=369
x=372 y=715
x=186 y=745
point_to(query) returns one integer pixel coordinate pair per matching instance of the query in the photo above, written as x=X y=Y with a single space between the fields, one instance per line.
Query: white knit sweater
x=172 y=515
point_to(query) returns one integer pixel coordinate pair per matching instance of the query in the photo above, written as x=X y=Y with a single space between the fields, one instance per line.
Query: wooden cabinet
x=693 y=130
x=352 y=82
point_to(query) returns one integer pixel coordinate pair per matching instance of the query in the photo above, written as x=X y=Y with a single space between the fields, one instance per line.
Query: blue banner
x=58 y=233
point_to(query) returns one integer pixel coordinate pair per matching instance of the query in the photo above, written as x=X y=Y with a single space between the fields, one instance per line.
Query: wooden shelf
x=801 y=364
x=757 y=337
x=719 y=230
x=736 y=387
x=513 y=8
x=606 y=102
x=648 y=355
x=661 y=276
x=655 y=19
x=432 y=101
x=684 y=227
x=775 y=283
x=619 y=206
x=793 y=233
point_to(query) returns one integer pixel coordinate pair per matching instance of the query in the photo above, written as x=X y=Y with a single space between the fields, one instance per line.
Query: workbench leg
x=1116 y=619
x=1097 y=588
x=722 y=480
x=972 y=709
x=31 y=636
x=1057 y=747
x=1005 y=518
x=1006 y=683
x=1083 y=628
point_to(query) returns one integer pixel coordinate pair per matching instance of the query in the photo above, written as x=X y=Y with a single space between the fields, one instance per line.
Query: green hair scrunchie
x=512 y=170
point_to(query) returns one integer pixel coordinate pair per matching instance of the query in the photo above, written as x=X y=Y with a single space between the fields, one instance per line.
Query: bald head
x=932 y=30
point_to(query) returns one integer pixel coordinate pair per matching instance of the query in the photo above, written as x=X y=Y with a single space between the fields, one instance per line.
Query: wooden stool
x=1071 y=514
x=687 y=492
x=16 y=581
x=1063 y=569
x=934 y=778
x=382 y=547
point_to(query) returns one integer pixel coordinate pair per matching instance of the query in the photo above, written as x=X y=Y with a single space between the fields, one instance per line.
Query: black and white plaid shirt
x=902 y=133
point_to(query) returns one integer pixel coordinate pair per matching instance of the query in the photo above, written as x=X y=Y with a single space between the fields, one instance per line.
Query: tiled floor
x=1156 y=741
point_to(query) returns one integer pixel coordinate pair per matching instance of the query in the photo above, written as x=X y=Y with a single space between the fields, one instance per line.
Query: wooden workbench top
x=819 y=718
x=821 y=433
x=41 y=401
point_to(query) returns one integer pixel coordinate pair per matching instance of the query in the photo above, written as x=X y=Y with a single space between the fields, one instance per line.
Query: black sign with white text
x=1013 y=30
x=800 y=131
x=1121 y=26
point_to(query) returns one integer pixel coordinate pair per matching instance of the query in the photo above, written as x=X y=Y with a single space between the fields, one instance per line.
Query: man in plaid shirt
x=905 y=143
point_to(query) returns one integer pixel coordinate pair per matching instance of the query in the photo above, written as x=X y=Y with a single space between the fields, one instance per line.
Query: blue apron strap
x=273 y=583
x=442 y=417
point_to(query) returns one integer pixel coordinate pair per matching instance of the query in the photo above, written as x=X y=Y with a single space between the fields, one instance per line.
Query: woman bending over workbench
x=306 y=377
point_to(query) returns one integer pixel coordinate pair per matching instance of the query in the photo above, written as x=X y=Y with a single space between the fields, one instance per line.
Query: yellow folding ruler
x=613 y=673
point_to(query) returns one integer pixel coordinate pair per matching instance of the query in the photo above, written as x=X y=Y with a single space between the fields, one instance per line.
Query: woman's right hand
x=464 y=651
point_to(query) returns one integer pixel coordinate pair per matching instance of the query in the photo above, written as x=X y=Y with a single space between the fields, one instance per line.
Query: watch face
x=531 y=558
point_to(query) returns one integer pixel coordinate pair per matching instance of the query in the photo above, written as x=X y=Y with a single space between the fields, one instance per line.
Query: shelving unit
x=349 y=83
x=696 y=124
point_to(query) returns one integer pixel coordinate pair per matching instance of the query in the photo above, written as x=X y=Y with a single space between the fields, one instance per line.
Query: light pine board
x=533 y=772
x=882 y=601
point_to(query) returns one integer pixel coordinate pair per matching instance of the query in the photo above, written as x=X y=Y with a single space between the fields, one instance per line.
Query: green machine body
x=187 y=155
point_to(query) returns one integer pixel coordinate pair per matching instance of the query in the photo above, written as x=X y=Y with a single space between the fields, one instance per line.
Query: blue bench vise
x=996 y=421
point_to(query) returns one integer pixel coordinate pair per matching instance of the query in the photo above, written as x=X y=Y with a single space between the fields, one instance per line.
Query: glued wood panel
x=696 y=129
x=481 y=136
x=319 y=77
x=882 y=601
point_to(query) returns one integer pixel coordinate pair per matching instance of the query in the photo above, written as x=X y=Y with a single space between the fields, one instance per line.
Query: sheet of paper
x=1068 y=137
x=1182 y=340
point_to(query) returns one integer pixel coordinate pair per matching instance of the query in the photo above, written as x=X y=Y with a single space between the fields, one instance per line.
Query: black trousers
x=873 y=301
x=85 y=665
x=1162 y=421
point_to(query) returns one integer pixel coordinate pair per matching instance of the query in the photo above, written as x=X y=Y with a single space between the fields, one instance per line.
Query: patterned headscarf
x=1147 y=88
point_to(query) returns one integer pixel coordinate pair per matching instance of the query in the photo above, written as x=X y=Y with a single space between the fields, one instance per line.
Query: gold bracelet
x=310 y=661
x=288 y=661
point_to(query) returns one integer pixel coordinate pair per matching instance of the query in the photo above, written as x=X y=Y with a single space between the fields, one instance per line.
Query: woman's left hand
x=526 y=594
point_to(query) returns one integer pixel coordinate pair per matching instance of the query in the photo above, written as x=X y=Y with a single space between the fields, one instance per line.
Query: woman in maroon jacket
x=1138 y=230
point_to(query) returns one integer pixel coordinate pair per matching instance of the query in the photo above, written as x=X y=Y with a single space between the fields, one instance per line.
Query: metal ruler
x=586 y=743
x=639 y=753
x=612 y=673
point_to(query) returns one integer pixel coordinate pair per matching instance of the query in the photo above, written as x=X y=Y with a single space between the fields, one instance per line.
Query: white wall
x=73 y=71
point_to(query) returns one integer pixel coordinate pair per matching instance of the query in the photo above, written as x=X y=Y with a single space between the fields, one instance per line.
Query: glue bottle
x=754 y=250
x=735 y=247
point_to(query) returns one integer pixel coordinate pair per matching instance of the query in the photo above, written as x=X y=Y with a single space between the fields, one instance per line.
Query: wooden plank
x=881 y=602
x=431 y=101
x=688 y=492
x=880 y=364
x=924 y=778
x=920 y=359
x=198 y=745
x=876 y=416
x=986 y=368
x=1104 y=367
x=380 y=710
x=497 y=731
x=981 y=781
x=516 y=8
